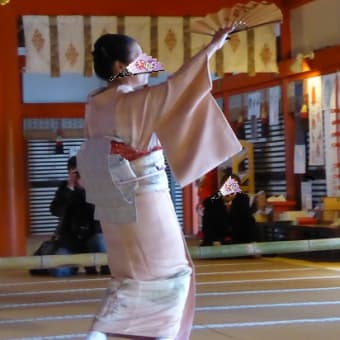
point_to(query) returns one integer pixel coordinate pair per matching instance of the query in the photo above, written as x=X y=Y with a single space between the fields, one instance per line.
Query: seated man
x=77 y=231
x=228 y=216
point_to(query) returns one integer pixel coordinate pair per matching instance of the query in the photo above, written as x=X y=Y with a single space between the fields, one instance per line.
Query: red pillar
x=190 y=218
x=13 y=191
x=285 y=37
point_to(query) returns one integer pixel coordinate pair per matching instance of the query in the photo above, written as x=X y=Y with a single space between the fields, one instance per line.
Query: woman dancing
x=129 y=125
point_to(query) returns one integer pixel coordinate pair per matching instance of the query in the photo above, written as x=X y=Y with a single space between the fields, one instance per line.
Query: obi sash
x=112 y=182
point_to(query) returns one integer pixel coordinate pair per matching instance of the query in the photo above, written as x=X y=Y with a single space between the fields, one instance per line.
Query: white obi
x=145 y=174
x=112 y=182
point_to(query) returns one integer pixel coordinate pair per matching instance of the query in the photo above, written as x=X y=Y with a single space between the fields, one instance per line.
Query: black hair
x=72 y=163
x=109 y=48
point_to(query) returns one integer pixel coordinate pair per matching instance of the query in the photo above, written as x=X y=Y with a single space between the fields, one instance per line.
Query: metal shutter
x=270 y=155
x=46 y=169
x=269 y=159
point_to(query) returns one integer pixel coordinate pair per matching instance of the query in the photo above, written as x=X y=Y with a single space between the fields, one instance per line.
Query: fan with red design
x=145 y=64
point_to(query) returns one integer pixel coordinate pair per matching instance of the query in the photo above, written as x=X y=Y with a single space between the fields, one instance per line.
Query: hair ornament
x=124 y=73
x=230 y=186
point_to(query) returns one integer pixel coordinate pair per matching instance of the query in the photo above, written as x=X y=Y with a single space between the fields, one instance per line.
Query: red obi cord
x=129 y=152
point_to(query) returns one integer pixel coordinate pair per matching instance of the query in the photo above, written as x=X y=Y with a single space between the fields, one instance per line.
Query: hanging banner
x=330 y=112
x=170 y=43
x=101 y=25
x=139 y=28
x=331 y=155
x=265 y=54
x=254 y=104
x=316 y=135
x=71 y=43
x=274 y=105
x=235 y=52
x=329 y=91
x=37 y=43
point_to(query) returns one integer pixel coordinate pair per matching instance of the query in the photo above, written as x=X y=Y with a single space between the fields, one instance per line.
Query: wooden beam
x=325 y=61
x=291 y=4
x=53 y=110
x=126 y=7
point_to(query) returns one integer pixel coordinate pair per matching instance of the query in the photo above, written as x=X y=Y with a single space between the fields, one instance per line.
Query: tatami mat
x=239 y=299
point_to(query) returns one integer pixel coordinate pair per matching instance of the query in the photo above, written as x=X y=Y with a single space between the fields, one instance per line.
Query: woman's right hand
x=218 y=40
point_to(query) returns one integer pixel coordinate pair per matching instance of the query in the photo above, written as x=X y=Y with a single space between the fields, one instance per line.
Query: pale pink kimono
x=152 y=287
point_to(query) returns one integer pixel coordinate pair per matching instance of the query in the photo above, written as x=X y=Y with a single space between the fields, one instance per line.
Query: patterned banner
x=140 y=29
x=102 y=25
x=236 y=54
x=71 y=43
x=64 y=45
x=265 y=49
x=170 y=42
x=316 y=136
x=37 y=42
x=332 y=181
x=331 y=111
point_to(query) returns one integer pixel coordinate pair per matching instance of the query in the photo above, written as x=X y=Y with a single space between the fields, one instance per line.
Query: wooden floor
x=238 y=299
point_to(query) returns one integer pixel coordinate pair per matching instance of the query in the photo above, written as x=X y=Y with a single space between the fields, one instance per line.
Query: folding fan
x=145 y=64
x=239 y=17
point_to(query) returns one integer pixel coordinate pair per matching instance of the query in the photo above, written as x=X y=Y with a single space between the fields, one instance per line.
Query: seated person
x=77 y=231
x=228 y=216
x=206 y=187
x=263 y=210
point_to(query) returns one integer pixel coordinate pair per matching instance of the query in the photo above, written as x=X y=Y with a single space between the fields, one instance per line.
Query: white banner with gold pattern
x=101 y=25
x=330 y=115
x=265 y=49
x=139 y=28
x=37 y=42
x=170 y=42
x=236 y=54
x=198 y=41
x=71 y=43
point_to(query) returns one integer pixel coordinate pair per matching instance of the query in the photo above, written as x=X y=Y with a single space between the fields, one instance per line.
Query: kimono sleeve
x=192 y=129
x=195 y=135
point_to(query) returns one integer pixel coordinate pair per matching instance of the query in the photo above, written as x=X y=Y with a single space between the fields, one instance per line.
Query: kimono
x=152 y=288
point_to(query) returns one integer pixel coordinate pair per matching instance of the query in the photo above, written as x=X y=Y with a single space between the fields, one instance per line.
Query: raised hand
x=221 y=36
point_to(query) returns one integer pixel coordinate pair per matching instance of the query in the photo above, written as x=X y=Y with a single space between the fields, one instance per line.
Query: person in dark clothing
x=214 y=220
x=77 y=231
x=228 y=217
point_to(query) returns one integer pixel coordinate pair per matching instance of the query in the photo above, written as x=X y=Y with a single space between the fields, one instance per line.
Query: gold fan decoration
x=239 y=17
